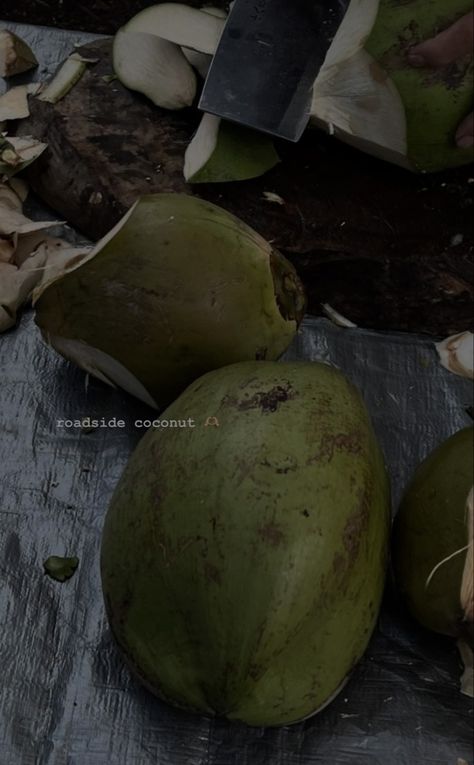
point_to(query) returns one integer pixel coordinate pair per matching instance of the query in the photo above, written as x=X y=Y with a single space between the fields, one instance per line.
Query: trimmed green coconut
x=178 y=288
x=370 y=96
x=244 y=550
x=433 y=544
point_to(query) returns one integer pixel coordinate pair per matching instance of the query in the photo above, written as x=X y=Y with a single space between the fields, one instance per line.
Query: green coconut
x=433 y=539
x=244 y=550
x=178 y=288
x=369 y=95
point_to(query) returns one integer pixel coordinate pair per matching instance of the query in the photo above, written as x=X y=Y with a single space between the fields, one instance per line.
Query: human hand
x=450 y=45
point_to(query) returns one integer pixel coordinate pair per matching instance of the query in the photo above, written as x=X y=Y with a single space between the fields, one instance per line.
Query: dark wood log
x=390 y=249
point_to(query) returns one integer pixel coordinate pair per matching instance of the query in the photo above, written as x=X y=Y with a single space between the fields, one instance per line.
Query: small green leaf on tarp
x=60 y=569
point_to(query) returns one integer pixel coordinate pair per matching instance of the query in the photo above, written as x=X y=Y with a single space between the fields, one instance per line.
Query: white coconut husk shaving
x=18 y=282
x=17 y=153
x=15 y=55
x=20 y=187
x=337 y=318
x=457 y=354
x=467 y=586
x=29 y=257
x=14 y=103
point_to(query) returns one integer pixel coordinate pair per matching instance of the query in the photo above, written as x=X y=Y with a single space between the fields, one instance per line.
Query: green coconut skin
x=430 y=526
x=240 y=154
x=182 y=288
x=436 y=101
x=243 y=565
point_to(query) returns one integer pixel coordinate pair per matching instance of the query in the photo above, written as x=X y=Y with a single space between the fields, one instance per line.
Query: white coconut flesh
x=180 y=24
x=154 y=67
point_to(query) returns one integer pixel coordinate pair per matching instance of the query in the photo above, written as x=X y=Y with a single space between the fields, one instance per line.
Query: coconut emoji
x=178 y=288
x=243 y=558
x=433 y=539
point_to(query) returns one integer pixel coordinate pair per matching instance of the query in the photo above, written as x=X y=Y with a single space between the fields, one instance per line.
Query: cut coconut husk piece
x=180 y=24
x=154 y=67
x=16 y=286
x=219 y=12
x=31 y=270
x=357 y=102
x=14 y=103
x=7 y=250
x=15 y=55
x=60 y=257
x=337 y=318
x=9 y=198
x=467 y=658
x=17 y=153
x=20 y=187
x=68 y=75
x=221 y=152
x=457 y=354
x=19 y=236
x=201 y=62
x=13 y=222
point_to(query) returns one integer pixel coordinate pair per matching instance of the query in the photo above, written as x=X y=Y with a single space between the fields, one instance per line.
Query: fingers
x=451 y=44
x=465 y=133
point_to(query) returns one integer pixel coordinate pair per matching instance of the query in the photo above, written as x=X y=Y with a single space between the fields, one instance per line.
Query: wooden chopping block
x=390 y=249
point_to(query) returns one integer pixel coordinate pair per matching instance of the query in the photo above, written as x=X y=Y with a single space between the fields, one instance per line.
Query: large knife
x=268 y=58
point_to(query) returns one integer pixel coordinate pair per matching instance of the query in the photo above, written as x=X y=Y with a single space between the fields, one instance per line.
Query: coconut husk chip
x=16 y=56
x=29 y=256
x=17 y=153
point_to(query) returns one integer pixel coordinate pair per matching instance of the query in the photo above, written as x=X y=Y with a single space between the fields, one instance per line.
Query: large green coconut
x=244 y=550
x=433 y=539
x=179 y=288
x=371 y=96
